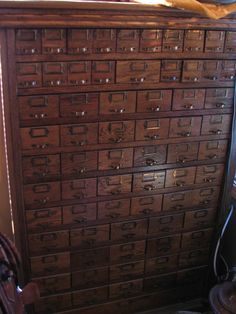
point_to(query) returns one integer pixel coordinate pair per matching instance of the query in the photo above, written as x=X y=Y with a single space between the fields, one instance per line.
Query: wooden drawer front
x=89 y=297
x=127 y=40
x=219 y=98
x=211 y=70
x=117 y=102
x=79 y=41
x=78 y=163
x=42 y=193
x=127 y=271
x=129 y=230
x=138 y=71
x=53 y=304
x=50 y=264
x=79 y=73
x=115 y=159
x=43 y=219
x=161 y=265
x=90 y=278
x=113 y=209
x=38 y=107
x=159 y=283
x=230 y=42
x=199 y=218
x=89 y=237
x=114 y=185
x=116 y=132
x=29 y=75
x=228 y=70
x=150 y=155
x=214 y=41
x=171 y=223
x=212 y=149
x=127 y=252
x=79 y=105
x=188 y=99
x=194 y=258
x=47 y=242
x=185 y=127
x=54 y=74
x=151 y=40
x=151 y=129
x=196 y=239
x=177 y=201
x=171 y=70
x=148 y=181
x=154 y=101
x=28 y=41
x=180 y=177
x=194 y=40
x=90 y=259
x=79 y=189
x=163 y=246
x=53 y=285
x=79 y=134
x=41 y=167
x=192 y=71
x=79 y=214
x=173 y=40
x=182 y=153
x=187 y=277
x=216 y=124
x=210 y=174
x=206 y=196
x=54 y=41
x=126 y=289
x=103 y=72
x=146 y=205
x=104 y=40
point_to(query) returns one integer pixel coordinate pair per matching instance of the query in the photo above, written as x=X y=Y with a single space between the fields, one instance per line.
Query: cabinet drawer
x=90 y=278
x=42 y=193
x=163 y=246
x=126 y=289
x=79 y=134
x=154 y=101
x=180 y=177
x=129 y=230
x=127 y=40
x=185 y=127
x=214 y=41
x=151 y=129
x=114 y=185
x=219 y=98
x=161 y=265
x=182 y=153
x=163 y=224
x=230 y=42
x=151 y=40
x=159 y=283
x=79 y=189
x=113 y=209
x=188 y=99
x=43 y=219
x=194 y=40
x=104 y=40
x=79 y=73
x=79 y=41
x=192 y=71
x=146 y=205
x=210 y=174
x=206 y=196
x=103 y=72
x=90 y=258
x=55 y=74
x=38 y=107
x=53 y=303
x=173 y=40
x=116 y=132
x=212 y=149
x=196 y=239
x=228 y=70
x=54 y=41
x=90 y=296
x=29 y=75
x=115 y=159
x=148 y=181
x=138 y=71
x=79 y=214
x=193 y=258
x=53 y=285
x=187 y=277
x=117 y=102
x=211 y=70
x=150 y=155
x=216 y=124
x=171 y=70
x=127 y=271
x=28 y=41
x=177 y=201
x=199 y=218
x=127 y=252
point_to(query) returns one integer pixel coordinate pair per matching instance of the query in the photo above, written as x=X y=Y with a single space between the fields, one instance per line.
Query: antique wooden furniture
x=118 y=119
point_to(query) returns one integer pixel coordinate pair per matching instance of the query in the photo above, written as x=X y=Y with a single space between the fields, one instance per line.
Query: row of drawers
x=86 y=41
x=48 y=74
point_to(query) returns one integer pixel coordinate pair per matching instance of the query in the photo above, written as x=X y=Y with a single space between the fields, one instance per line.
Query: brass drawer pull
x=38 y=115
x=189 y=106
x=218 y=131
x=220 y=105
x=154 y=109
x=152 y=137
x=149 y=187
x=151 y=162
x=137 y=80
x=118 y=110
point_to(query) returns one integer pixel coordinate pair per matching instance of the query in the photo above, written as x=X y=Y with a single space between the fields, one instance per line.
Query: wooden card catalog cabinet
x=120 y=126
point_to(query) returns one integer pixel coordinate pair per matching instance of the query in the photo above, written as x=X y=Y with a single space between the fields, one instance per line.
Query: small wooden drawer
x=79 y=189
x=90 y=258
x=216 y=124
x=173 y=40
x=187 y=277
x=53 y=285
x=148 y=181
x=171 y=70
x=209 y=150
x=117 y=102
x=194 y=40
x=177 y=201
x=123 y=253
x=160 y=265
x=163 y=246
x=214 y=41
x=188 y=99
x=192 y=71
x=152 y=129
x=211 y=71
x=43 y=219
x=146 y=205
x=206 y=196
x=114 y=185
x=180 y=177
x=28 y=41
x=79 y=73
x=78 y=163
x=185 y=127
x=114 y=209
x=199 y=218
x=166 y=224
x=90 y=278
x=79 y=134
x=228 y=71
x=79 y=105
x=126 y=272
x=129 y=230
x=29 y=75
x=182 y=153
x=47 y=242
x=230 y=42
x=115 y=159
x=126 y=289
x=42 y=193
x=79 y=41
x=50 y=264
x=89 y=297
x=220 y=98
x=194 y=258
x=151 y=40
x=150 y=155
x=89 y=237
x=38 y=107
x=127 y=40
x=196 y=239
x=54 y=41
x=210 y=174
x=55 y=74
x=159 y=283
x=116 y=132
x=154 y=100
x=79 y=214
x=103 y=72
x=53 y=304
x=138 y=72
x=104 y=40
